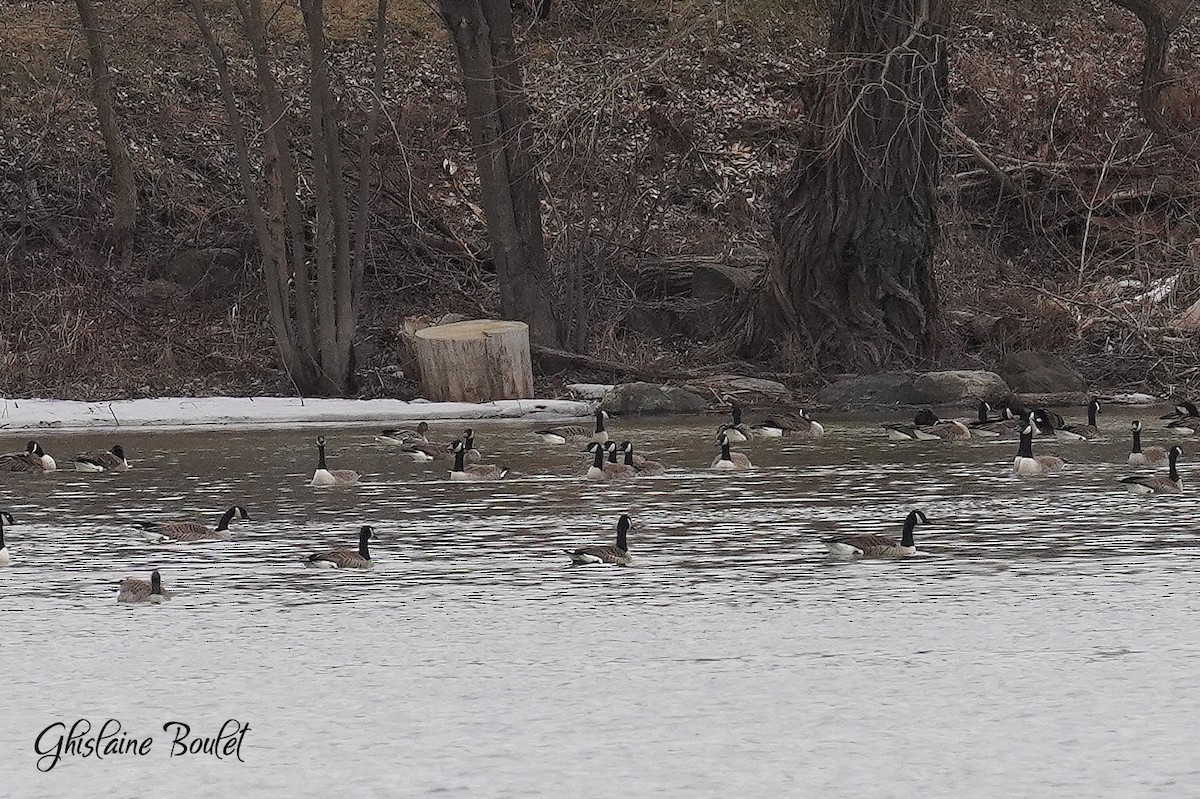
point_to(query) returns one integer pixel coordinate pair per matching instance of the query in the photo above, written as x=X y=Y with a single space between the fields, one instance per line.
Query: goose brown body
x=1026 y=464
x=461 y=472
x=728 y=460
x=324 y=476
x=1172 y=483
x=186 y=532
x=1144 y=456
x=140 y=592
x=1081 y=432
x=111 y=461
x=571 y=433
x=33 y=459
x=346 y=558
x=617 y=554
x=878 y=546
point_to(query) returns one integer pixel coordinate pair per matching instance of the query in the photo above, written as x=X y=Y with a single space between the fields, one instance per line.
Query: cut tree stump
x=475 y=361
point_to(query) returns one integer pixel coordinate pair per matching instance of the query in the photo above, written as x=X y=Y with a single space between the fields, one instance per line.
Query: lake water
x=1048 y=646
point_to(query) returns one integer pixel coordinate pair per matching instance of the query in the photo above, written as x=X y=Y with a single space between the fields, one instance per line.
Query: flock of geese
x=610 y=461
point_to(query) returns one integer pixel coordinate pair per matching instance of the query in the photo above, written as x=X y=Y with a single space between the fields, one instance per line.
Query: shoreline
x=265 y=412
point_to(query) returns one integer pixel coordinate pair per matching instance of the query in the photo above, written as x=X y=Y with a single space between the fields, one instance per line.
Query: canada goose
x=798 y=424
x=1046 y=422
x=730 y=461
x=1081 y=432
x=646 y=467
x=416 y=452
x=596 y=470
x=927 y=426
x=1026 y=464
x=1185 y=420
x=188 y=532
x=618 y=555
x=561 y=435
x=111 y=461
x=143 y=592
x=4 y=556
x=401 y=436
x=878 y=546
x=33 y=459
x=346 y=558
x=613 y=468
x=736 y=431
x=1171 y=484
x=472 y=455
x=463 y=473
x=324 y=477
x=987 y=426
x=1150 y=456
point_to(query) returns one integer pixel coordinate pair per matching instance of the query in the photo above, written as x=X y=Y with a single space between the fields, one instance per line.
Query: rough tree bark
x=313 y=311
x=1160 y=19
x=125 y=203
x=496 y=115
x=851 y=284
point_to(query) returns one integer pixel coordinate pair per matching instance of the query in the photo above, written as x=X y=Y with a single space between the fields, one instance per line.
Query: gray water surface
x=1046 y=646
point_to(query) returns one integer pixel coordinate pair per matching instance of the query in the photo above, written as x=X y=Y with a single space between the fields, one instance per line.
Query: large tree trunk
x=497 y=116
x=851 y=285
x=124 y=186
x=1160 y=19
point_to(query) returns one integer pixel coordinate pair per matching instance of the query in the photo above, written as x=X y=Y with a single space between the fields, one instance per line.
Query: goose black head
x=320 y=441
x=1135 y=426
x=118 y=451
x=367 y=532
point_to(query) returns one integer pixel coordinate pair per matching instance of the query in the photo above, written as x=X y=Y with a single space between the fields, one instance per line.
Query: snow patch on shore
x=42 y=414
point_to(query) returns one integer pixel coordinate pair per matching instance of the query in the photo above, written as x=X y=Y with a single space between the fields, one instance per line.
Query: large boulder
x=631 y=399
x=870 y=391
x=1030 y=372
x=960 y=386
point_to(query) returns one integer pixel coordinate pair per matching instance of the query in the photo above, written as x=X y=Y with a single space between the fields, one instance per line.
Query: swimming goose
x=1150 y=456
x=798 y=424
x=1026 y=464
x=401 y=436
x=1185 y=420
x=111 y=461
x=463 y=473
x=4 y=556
x=618 y=555
x=468 y=438
x=561 y=435
x=613 y=469
x=927 y=426
x=730 y=461
x=736 y=431
x=987 y=426
x=324 y=477
x=1081 y=432
x=188 y=532
x=646 y=467
x=1171 y=484
x=346 y=558
x=596 y=470
x=33 y=459
x=878 y=546
x=143 y=592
